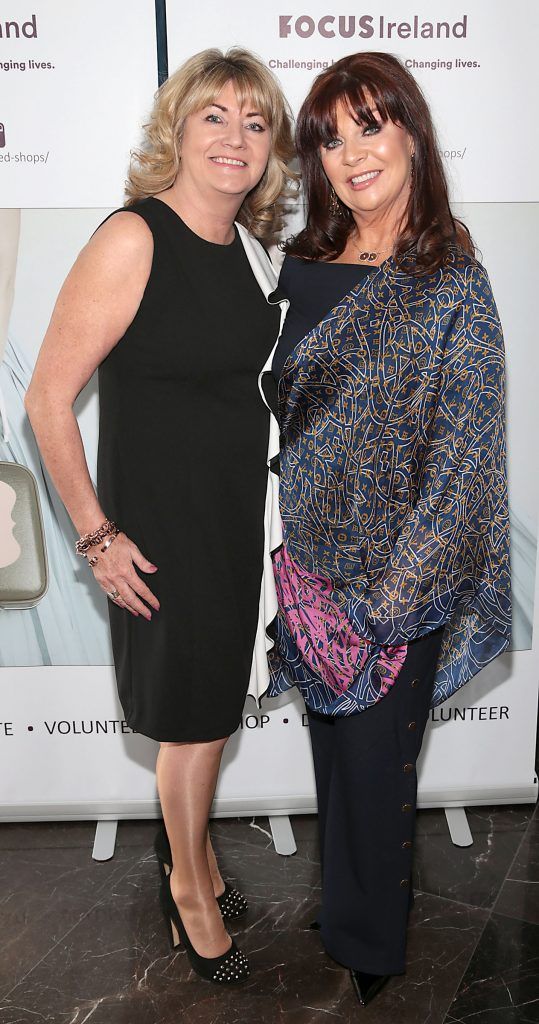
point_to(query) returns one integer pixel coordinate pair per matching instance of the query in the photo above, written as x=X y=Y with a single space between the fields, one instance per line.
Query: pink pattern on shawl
x=323 y=634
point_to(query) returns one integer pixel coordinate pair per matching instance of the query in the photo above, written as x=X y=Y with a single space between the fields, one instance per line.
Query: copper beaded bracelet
x=108 y=531
x=89 y=540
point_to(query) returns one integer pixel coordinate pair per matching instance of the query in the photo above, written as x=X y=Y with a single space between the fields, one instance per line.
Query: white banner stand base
x=105 y=839
x=283 y=835
x=281 y=831
x=457 y=824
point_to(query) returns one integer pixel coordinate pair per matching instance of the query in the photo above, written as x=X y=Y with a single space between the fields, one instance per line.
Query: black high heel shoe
x=231 y=902
x=230 y=968
x=367 y=986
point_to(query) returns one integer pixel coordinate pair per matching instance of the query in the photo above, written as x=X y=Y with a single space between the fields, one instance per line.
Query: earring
x=334 y=207
x=412 y=166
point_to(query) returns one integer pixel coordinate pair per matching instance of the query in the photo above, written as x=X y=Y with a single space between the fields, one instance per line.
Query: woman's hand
x=115 y=573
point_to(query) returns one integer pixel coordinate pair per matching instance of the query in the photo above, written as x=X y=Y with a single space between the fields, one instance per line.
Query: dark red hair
x=363 y=81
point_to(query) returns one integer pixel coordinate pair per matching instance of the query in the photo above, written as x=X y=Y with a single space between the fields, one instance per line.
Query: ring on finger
x=113 y=594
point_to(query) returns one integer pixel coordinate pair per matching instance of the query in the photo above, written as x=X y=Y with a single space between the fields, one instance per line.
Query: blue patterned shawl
x=393 y=490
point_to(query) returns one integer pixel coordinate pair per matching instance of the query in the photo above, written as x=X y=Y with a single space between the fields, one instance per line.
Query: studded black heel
x=231 y=902
x=230 y=968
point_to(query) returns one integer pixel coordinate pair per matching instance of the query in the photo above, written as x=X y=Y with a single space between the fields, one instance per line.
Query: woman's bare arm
x=98 y=301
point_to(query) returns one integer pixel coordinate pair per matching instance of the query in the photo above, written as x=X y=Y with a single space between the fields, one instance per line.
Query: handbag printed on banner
x=23 y=556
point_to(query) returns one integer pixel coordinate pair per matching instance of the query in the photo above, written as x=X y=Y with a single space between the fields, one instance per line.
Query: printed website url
x=24 y=158
x=454 y=154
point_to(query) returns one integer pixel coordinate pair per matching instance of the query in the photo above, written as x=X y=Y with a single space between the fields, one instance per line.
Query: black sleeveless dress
x=182 y=471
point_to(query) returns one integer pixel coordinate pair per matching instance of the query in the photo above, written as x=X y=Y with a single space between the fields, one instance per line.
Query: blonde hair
x=192 y=87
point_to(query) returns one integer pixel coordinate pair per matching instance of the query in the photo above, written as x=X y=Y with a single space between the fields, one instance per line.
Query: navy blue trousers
x=365 y=768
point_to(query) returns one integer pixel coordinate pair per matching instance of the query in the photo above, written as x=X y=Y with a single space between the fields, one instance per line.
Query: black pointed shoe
x=231 y=902
x=230 y=968
x=367 y=986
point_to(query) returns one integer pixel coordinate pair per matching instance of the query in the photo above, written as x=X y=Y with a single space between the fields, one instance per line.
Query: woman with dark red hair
x=393 y=577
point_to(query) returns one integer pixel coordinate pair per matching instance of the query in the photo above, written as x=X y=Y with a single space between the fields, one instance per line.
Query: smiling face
x=369 y=166
x=225 y=147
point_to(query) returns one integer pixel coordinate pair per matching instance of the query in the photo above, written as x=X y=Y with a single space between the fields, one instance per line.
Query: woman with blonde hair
x=171 y=300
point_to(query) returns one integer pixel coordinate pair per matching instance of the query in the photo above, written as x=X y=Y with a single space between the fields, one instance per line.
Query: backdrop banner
x=76 y=80
x=65 y=750
x=467 y=58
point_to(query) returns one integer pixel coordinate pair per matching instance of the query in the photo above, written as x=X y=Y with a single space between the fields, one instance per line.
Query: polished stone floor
x=84 y=942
